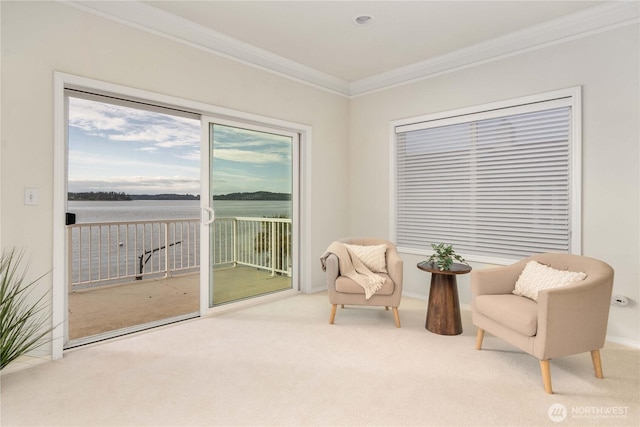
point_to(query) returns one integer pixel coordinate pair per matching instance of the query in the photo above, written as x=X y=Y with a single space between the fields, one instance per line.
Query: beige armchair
x=344 y=291
x=564 y=321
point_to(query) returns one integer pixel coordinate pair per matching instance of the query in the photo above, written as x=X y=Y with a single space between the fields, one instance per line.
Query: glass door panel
x=132 y=227
x=251 y=191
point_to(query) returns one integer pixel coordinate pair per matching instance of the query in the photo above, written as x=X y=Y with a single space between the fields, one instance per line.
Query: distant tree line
x=98 y=195
x=257 y=195
x=164 y=197
x=114 y=196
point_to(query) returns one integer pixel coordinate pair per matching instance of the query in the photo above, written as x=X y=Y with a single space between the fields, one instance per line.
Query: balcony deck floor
x=109 y=308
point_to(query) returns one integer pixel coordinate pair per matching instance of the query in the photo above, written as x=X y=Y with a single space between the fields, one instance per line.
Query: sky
x=122 y=149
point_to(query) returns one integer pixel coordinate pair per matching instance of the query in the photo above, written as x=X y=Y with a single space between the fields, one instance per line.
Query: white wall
x=606 y=66
x=350 y=138
x=39 y=38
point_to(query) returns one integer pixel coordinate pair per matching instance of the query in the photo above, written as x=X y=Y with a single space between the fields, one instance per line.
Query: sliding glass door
x=173 y=256
x=131 y=196
x=250 y=211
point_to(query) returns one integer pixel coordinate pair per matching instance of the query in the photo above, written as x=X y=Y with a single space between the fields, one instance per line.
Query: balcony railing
x=116 y=252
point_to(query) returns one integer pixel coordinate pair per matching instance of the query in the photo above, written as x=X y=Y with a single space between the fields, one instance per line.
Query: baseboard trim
x=624 y=341
x=635 y=344
x=24 y=362
x=414 y=295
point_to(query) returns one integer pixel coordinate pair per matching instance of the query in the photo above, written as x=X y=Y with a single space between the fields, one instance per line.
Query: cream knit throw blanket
x=351 y=267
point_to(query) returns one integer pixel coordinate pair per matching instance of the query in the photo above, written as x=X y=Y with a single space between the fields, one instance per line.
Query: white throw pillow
x=373 y=257
x=536 y=277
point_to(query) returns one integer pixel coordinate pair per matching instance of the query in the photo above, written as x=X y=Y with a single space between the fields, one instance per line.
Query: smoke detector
x=363 y=19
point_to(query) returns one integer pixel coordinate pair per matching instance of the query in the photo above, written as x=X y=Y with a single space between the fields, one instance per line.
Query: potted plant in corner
x=24 y=321
x=443 y=256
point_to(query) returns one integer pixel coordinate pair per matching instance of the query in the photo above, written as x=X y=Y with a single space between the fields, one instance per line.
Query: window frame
x=572 y=96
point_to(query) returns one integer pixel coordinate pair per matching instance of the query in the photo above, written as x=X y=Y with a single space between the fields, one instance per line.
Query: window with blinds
x=495 y=183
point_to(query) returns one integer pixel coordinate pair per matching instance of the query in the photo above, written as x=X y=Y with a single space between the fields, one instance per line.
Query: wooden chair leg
x=479 y=338
x=334 y=307
x=396 y=316
x=546 y=375
x=597 y=363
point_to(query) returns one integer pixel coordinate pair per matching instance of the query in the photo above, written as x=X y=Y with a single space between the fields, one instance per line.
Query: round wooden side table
x=443 y=310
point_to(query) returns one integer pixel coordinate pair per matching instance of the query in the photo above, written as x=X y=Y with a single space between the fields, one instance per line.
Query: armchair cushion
x=536 y=277
x=348 y=286
x=519 y=314
x=372 y=256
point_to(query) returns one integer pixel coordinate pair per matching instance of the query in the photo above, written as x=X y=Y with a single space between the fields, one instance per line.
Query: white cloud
x=120 y=123
x=244 y=156
x=94 y=120
x=79 y=161
x=164 y=153
x=191 y=155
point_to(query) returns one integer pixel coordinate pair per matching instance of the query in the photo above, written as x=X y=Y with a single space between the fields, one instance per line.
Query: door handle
x=70 y=218
x=209 y=214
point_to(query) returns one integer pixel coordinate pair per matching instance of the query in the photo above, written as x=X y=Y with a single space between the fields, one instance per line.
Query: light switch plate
x=30 y=196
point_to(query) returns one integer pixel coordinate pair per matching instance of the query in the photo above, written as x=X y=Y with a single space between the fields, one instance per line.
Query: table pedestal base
x=443 y=311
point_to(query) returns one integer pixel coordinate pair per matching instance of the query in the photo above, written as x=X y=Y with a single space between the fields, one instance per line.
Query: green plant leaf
x=443 y=256
x=23 y=324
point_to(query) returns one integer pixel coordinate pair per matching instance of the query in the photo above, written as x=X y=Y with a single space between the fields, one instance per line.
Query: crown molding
x=148 y=18
x=139 y=15
x=596 y=19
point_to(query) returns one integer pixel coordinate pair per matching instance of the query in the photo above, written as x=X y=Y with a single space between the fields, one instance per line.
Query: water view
x=142 y=237
x=131 y=238
x=144 y=210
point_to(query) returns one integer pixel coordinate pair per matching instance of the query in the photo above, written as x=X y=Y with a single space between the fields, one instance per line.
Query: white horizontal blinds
x=498 y=186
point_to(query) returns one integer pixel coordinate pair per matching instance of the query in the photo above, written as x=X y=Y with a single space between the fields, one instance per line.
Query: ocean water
x=120 y=249
x=143 y=210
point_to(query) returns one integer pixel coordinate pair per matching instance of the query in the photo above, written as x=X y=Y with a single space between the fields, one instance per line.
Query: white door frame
x=60 y=274
x=208 y=210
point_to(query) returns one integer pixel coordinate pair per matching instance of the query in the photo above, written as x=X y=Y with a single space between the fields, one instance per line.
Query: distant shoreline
x=257 y=195
x=123 y=197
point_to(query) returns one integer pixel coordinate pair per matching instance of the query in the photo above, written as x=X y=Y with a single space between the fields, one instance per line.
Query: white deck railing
x=115 y=252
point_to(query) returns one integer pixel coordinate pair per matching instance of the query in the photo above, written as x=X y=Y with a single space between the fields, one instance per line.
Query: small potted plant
x=443 y=256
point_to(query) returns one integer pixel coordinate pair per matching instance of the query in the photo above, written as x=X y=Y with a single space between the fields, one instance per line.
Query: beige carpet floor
x=282 y=364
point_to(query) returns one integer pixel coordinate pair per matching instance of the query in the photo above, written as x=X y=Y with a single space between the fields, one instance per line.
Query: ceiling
x=318 y=42
x=323 y=36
